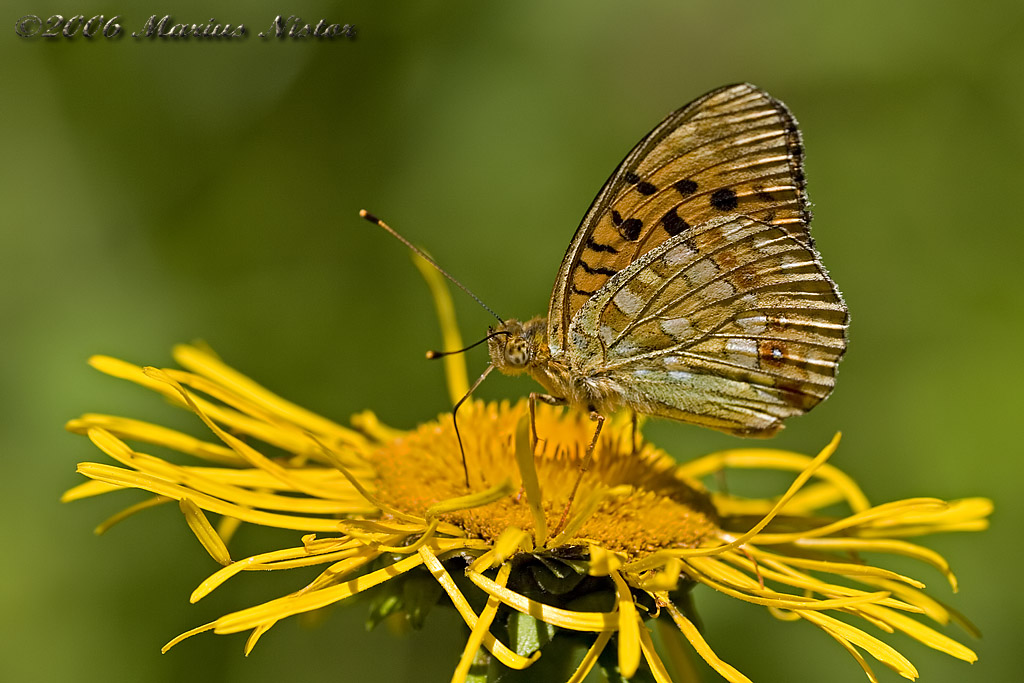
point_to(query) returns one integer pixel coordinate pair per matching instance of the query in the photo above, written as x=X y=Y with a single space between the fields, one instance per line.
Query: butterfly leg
x=634 y=446
x=584 y=466
x=547 y=398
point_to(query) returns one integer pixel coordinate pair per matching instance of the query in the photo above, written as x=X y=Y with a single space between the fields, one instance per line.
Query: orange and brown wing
x=733 y=151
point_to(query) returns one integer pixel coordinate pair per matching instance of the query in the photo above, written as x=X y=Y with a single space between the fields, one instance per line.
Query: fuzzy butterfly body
x=692 y=290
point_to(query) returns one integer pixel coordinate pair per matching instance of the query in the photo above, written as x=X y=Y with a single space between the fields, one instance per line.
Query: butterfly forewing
x=734 y=325
x=735 y=150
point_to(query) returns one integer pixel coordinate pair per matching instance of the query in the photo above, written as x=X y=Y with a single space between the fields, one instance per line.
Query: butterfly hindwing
x=735 y=150
x=734 y=325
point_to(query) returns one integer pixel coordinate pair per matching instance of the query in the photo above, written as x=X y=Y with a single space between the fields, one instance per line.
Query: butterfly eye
x=516 y=353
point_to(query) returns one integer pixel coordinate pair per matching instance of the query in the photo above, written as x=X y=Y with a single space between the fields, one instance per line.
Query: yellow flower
x=380 y=507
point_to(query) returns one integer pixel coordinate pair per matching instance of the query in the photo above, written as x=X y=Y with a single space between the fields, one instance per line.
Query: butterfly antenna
x=455 y=419
x=440 y=354
x=416 y=250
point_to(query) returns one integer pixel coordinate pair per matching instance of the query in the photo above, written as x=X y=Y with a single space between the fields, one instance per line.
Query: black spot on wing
x=724 y=199
x=642 y=186
x=685 y=187
x=616 y=218
x=630 y=229
x=598 y=270
x=582 y=292
x=673 y=224
x=597 y=246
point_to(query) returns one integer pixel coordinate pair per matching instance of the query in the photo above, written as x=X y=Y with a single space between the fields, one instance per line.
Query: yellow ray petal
x=483 y=624
x=567 y=619
x=205 y=532
x=629 y=628
x=651 y=655
x=857 y=656
x=138 y=430
x=590 y=658
x=187 y=634
x=87 y=490
x=602 y=562
x=679 y=655
x=531 y=484
x=922 y=633
x=287 y=558
x=454 y=364
x=254 y=637
x=278 y=609
x=894 y=546
x=472 y=500
x=290 y=477
x=874 y=647
x=767 y=458
x=725 y=670
x=105 y=525
x=127 y=479
x=208 y=365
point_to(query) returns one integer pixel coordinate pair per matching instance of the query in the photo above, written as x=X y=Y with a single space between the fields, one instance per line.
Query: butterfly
x=692 y=290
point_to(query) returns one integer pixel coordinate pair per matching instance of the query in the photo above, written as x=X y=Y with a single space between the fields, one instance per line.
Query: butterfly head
x=516 y=347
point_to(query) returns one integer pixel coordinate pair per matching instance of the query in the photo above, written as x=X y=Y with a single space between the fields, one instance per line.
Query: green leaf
x=556 y=576
x=420 y=592
x=383 y=603
x=528 y=634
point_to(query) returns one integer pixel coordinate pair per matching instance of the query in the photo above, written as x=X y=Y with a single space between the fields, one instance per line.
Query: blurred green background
x=158 y=192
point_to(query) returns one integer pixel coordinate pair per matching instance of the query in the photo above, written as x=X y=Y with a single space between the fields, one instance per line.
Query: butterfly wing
x=734 y=150
x=734 y=325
